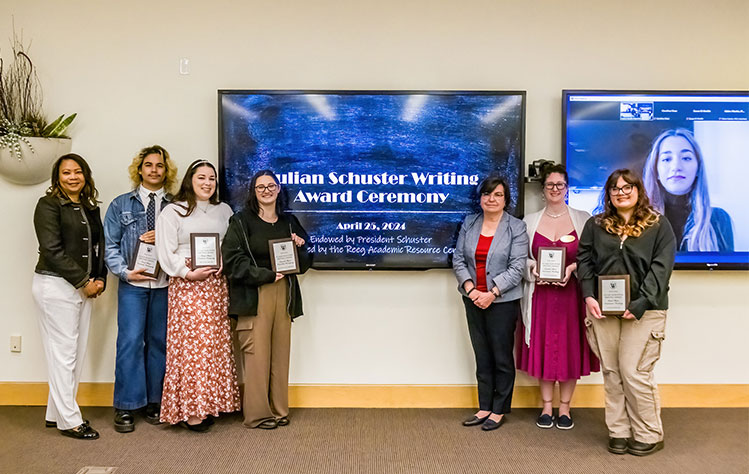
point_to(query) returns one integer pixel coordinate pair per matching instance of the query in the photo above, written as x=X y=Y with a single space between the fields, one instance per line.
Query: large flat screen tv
x=690 y=147
x=379 y=179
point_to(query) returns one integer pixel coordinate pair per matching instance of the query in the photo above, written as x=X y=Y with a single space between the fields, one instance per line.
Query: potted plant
x=28 y=143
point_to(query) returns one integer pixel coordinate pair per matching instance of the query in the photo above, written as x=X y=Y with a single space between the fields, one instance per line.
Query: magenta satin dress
x=558 y=348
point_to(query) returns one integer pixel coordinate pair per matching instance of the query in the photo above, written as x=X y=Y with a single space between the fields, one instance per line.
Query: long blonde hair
x=699 y=232
x=171 y=169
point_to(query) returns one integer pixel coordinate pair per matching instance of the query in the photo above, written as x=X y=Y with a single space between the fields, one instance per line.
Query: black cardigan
x=244 y=274
x=65 y=243
x=647 y=259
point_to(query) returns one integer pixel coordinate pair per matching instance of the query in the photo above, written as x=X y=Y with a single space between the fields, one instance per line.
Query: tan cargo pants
x=265 y=341
x=628 y=350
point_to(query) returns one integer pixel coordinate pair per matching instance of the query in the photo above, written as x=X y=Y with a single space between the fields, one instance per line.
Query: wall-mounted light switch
x=15 y=343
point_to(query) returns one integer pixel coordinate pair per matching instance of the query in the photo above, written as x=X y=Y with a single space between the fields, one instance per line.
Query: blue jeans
x=141 y=346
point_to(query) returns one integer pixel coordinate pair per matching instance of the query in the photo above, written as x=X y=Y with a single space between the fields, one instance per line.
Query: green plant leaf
x=49 y=128
x=59 y=130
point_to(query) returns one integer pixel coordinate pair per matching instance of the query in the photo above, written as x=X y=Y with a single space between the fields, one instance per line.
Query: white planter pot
x=33 y=167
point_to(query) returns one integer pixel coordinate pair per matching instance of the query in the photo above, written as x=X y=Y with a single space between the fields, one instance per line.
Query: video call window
x=689 y=148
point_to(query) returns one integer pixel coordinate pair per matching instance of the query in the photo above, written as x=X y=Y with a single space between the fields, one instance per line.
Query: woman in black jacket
x=628 y=238
x=69 y=274
x=264 y=301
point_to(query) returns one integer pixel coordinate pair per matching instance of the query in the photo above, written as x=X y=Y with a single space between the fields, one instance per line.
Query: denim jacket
x=124 y=223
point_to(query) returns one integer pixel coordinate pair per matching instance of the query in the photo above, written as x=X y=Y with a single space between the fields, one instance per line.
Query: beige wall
x=116 y=64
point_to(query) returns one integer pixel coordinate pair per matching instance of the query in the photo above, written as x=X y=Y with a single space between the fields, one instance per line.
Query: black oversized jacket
x=244 y=274
x=647 y=259
x=65 y=241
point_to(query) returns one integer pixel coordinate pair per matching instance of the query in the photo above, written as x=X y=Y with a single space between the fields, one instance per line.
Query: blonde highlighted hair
x=699 y=232
x=610 y=220
x=171 y=169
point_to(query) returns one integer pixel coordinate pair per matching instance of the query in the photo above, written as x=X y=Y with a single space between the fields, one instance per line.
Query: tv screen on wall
x=689 y=147
x=379 y=179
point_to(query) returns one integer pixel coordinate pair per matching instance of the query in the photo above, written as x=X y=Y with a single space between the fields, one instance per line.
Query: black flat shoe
x=82 y=431
x=283 y=421
x=643 y=449
x=565 y=422
x=490 y=424
x=270 y=424
x=201 y=427
x=53 y=424
x=124 y=422
x=618 y=445
x=153 y=412
x=474 y=420
x=545 y=421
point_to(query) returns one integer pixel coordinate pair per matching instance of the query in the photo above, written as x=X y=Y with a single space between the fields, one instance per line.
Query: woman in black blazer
x=70 y=273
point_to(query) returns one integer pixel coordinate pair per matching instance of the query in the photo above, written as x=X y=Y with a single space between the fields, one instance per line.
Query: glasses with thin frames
x=626 y=190
x=261 y=188
x=558 y=186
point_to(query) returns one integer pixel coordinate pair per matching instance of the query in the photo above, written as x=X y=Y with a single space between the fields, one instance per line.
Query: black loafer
x=124 y=422
x=283 y=421
x=565 y=422
x=474 y=420
x=490 y=424
x=153 y=412
x=545 y=421
x=618 y=445
x=53 y=424
x=643 y=449
x=270 y=424
x=81 y=432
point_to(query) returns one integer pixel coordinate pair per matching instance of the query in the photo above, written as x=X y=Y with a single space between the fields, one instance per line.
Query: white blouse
x=173 y=232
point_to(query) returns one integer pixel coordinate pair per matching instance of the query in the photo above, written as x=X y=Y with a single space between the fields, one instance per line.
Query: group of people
x=175 y=352
x=563 y=334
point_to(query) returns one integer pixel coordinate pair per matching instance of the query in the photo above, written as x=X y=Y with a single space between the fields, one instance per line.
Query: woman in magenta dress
x=551 y=342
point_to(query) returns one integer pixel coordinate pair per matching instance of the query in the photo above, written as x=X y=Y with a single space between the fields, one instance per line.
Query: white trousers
x=64 y=320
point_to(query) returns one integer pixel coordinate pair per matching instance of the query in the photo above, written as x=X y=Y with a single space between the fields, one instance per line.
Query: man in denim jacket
x=141 y=300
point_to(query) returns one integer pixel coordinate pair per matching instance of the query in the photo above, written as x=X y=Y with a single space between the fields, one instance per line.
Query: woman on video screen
x=674 y=178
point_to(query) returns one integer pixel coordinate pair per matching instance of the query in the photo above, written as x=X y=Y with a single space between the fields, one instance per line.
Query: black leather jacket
x=66 y=249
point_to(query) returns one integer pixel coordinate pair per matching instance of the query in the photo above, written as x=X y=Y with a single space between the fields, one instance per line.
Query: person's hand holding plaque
x=613 y=294
x=283 y=255
x=144 y=264
x=551 y=264
x=205 y=251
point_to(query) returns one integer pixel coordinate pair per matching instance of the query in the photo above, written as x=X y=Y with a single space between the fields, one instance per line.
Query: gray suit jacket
x=505 y=264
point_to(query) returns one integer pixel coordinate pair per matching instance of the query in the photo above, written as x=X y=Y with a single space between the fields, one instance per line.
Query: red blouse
x=482 y=251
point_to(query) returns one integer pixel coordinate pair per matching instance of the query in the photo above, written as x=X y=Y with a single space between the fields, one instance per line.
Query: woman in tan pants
x=265 y=302
x=628 y=238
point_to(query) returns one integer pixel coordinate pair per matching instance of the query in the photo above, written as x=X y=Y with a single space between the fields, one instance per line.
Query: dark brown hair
x=252 y=203
x=490 y=183
x=609 y=219
x=187 y=194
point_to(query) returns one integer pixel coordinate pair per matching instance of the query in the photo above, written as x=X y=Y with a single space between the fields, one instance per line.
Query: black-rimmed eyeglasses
x=626 y=190
x=261 y=188
x=557 y=186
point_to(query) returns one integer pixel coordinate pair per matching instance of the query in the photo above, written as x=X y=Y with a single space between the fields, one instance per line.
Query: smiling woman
x=69 y=274
x=201 y=378
x=675 y=179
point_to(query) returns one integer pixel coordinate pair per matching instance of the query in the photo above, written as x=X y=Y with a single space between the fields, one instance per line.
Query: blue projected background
x=379 y=179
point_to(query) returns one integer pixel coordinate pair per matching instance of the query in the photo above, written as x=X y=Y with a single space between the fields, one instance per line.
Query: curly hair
x=89 y=194
x=643 y=217
x=171 y=169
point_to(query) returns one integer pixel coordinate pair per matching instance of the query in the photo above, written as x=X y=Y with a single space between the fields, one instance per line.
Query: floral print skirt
x=201 y=376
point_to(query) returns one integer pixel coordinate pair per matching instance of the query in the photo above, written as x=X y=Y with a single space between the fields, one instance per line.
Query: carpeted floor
x=375 y=441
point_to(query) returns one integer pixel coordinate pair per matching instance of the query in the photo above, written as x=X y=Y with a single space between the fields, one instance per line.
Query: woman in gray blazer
x=489 y=263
